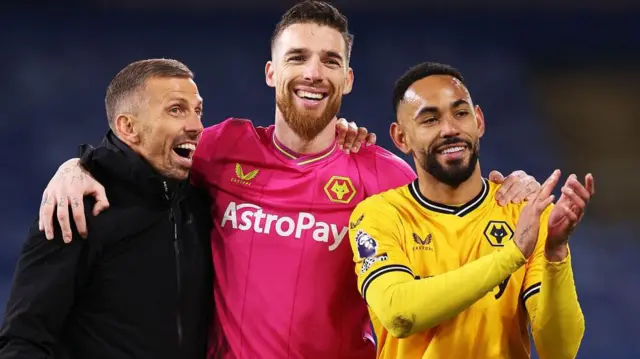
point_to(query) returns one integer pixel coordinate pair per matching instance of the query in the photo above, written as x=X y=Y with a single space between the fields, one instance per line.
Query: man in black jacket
x=140 y=285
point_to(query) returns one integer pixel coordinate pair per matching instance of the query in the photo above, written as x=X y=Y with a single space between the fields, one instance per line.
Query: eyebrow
x=433 y=109
x=183 y=101
x=295 y=51
x=300 y=51
x=459 y=102
x=425 y=110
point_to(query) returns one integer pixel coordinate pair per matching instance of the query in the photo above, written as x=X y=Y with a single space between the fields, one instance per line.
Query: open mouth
x=451 y=149
x=312 y=96
x=185 y=150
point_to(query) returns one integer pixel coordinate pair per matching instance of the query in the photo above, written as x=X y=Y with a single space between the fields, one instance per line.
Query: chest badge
x=498 y=233
x=340 y=189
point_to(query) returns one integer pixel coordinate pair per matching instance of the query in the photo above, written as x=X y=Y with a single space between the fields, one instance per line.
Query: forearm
x=557 y=321
x=407 y=306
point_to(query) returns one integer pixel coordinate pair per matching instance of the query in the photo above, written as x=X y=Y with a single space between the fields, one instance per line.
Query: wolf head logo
x=498 y=233
x=340 y=189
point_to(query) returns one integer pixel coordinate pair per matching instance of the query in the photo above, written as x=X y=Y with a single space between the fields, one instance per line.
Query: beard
x=159 y=155
x=454 y=173
x=306 y=123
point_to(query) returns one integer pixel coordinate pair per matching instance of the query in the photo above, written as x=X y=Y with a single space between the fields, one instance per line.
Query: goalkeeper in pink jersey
x=281 y=197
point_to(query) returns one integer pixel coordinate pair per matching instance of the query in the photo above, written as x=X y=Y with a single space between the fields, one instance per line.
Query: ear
x=125 y=129
x=399 y=137
x=348 y=82
x=268 y=74
x=479 y=120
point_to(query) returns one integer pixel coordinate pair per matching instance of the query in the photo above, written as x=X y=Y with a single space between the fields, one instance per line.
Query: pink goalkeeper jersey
x=285 y=285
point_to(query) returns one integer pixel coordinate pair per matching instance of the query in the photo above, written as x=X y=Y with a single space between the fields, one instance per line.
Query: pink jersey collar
x=302 y=159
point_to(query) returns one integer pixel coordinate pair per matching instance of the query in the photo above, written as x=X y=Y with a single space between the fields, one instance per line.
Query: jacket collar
x=116 y=159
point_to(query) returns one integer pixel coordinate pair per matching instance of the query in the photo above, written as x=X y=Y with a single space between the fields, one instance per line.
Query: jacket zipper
x=176 y=250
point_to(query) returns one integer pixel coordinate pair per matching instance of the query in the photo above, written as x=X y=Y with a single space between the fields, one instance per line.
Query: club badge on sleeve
x=371 y=261
x=367 y=246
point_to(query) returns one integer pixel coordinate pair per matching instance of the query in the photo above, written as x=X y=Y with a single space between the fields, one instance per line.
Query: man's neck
x=294 y=142
x=439 y=192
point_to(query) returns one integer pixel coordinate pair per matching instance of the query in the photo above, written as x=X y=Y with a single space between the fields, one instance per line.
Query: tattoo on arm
x=526 y=231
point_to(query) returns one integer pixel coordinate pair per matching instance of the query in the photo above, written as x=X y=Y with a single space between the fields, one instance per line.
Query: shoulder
x=382 y=169
x=382 y=204
x=226 y=134
x=383 y=158
x=512 y=209
x=118 y=221
x=228 y=126
x=218 y=140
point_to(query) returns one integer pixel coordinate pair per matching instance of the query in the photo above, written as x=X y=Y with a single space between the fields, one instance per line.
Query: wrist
x=556 y=253
x=525 y=248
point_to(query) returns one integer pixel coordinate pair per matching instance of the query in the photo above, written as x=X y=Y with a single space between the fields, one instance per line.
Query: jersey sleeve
x=549 y=294
x=375 y=238
x=535 y=264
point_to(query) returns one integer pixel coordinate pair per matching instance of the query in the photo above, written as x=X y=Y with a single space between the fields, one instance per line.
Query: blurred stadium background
x=557 y=80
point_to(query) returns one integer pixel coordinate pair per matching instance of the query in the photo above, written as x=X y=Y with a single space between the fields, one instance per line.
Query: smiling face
x=439 y=125
x=154 y=107
x=309 y=70
x=166 y=128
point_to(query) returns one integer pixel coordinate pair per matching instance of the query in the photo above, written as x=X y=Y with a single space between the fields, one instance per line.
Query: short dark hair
x=133 y=77
x=418 y=72
x=315 y=12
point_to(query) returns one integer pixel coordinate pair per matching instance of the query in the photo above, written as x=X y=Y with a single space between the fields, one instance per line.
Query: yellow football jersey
x=402 y=231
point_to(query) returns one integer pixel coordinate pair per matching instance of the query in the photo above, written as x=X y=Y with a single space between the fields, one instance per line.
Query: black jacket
x=140 y=285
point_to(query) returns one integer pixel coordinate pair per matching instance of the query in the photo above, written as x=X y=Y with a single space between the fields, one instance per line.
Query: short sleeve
x=375 y=235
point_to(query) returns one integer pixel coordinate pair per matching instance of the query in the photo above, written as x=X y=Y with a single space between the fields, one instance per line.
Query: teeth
x=187 y=146
x=452 y=150
x=309 y=95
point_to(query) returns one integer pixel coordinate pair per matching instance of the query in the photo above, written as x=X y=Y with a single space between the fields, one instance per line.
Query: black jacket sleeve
x=42 y=294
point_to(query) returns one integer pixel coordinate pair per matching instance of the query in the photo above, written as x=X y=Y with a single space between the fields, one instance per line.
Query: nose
x=313 y=70
x=449 y=127
x=193 y=125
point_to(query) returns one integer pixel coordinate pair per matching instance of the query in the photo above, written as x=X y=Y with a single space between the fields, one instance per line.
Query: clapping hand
x=528 y=226
x=566 y=215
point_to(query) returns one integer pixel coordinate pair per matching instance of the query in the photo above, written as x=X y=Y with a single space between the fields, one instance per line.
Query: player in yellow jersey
x=445 y=270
